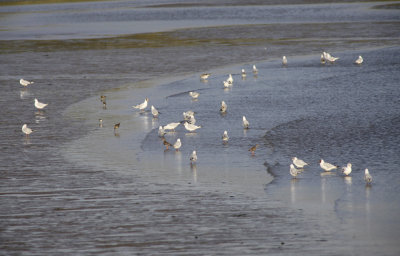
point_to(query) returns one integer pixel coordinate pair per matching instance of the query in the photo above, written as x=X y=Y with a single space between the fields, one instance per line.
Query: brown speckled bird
x=253 y=149
x=116 y=126
x=166 y=144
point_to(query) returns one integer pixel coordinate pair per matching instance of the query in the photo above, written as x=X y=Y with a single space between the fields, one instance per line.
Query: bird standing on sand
x=193 y=157
x=224 y=107
x=359 y=61
x=171 y=126
x=346 y=170
x=26 y=130
x=142 y=106
x=298 y=162
x=24 y=82
x=245 y=123
x=327 y=166
x=194 y=95
x=154 y=111
x=225 y=137
x=40 y=105
x=177 y=144
x=367 y=177
x=253 y=149
x=293 y=171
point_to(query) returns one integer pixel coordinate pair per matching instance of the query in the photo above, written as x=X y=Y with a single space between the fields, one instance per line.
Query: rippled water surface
x=73 y=187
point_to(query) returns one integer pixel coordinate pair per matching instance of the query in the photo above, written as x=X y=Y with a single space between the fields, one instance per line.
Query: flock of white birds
x=296 y=167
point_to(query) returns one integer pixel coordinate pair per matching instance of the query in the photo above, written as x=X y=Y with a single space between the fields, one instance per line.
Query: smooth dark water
x=74 y=187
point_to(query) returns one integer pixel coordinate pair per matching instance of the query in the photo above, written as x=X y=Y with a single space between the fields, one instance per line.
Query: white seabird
x=367 y=177
x=346 y=170
x=171 y=126
x=191 y=127
x=188 y=114
x=154 y=111
x=322 y=58
x=243 y=73
x=143 y=105
x=359 y=61
x=204 y=76
x=284 y=61
x=224 y=107
x=245 y=123
x=24 y=82
x=177 y=144
x=227 y=84
x=327 y=166
x=298 y=162
x=293 y=171
x=255 y=70
x=161 y=131
x=194 y=95
x=230 y=79
x=225 y=137
x=26 y=130
x=329 y=57
x=191 y=120
x=193 y=157
x=40 y=105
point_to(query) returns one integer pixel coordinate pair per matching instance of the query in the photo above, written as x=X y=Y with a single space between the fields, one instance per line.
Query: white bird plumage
x=293 y=171
x=193 y=157
x=24 y=82
x=171 y=126
x=194 y=95
x=177 y=145
x=327 y=166
x=161 y=131
x=367 y=177
x=191 y=127
x=225 y=136
x=205 y=76
x=243 y=73
x=224 y=107
x=40 y=105
x=230 y=79
x=25 y=129
x=298 y=162
x=245 y=123
x=359 y=61
x=284 y=61
x=188 y=114
x=346 y=170
x=143 y=105
x=329 y=57
x=154 y=111
x=255 y=70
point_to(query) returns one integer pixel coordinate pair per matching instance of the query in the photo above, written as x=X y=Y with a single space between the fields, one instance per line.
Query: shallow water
x=73 y=187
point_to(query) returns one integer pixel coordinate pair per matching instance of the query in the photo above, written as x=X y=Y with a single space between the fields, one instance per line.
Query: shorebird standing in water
x=255 y=70
x=26 y=130
x=204 y=76
x=224 y=107
x=367 y=177
x=327 y=166
x=194 y=95
x=293 y=171
x=359 y=61
x=225 y=137
x=24 y=82
x=193 y=157
x=284 y=61
x=253 y=149
x=100 y=122
x=177 y=145
x=245 y=123
x=171 y=126
x=40 y=105
x=166 y=144
x=298 y=162
x=161 y=131
x=154 y=111
x=116 y=127
x=104 y=105
x=346 y=170
x=142 y=106
x=244 y=73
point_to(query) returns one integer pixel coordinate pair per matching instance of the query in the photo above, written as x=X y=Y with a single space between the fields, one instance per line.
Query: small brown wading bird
x=104 y=105
x=116 y=126
x=204 y=76
x=253 y=149
x=166 y=144
x=102 y=98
